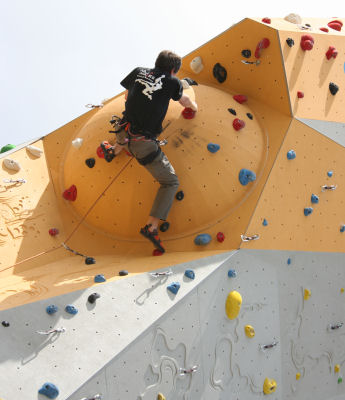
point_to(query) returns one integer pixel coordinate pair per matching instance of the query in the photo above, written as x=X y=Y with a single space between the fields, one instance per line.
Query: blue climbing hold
x=52 y=309
x=71 y=310
x=330 y=173
x=314 y=199
x=49 y=390
x=189 y=273
x=264 y=222
x=232 y=273
x=174 y=287
x=342 y=228
x=245 y=176
x=213 y=148
x=99 y=278
x=203 y=239
x=289 y=261
x=291 y=154
x=308 y=211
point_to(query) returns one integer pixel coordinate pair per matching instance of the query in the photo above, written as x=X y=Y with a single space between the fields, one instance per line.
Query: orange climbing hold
x=263 y=44
x=307 y=42
x=70 y=193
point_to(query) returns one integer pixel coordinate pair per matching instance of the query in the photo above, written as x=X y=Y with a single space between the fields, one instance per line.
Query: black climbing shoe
x=108 y=151
x=153 y=237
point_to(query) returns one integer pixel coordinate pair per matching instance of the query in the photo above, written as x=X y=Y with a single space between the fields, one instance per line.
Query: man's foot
x=153 y=237
x=108 y=151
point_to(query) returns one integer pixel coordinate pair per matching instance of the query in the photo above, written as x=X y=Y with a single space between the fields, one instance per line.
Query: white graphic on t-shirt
x=151 y=87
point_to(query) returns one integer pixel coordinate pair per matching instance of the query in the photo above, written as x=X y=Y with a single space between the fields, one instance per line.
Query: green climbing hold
x=340 y=380
x=7 y=148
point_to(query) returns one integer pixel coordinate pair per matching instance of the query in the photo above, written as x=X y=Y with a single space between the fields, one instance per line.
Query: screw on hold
x=249 y=238
x=232 y=273
x=323 y=29
x=249 y=115
x=342 y=228
x=184 y=371
x=265 y=222
x=123 y=272
x=220 y=237
x=49 y=390
x=300 y=95
x=71 y=309
x=245 y=176
x=328 y=187
x=264 y=347
x=232 y=111
x=94 y=105
x=246 y=53
x=290 y=42
x=157 y=252
x=90 y=162
x=263 y=44
x=336 y=25
x=238 y=124
x=93 y=297
x=95 y=397
x=49 y=332
x=160 y=274
x=219 y=72
x=179 y=195
x=291 y=155
x=99 y=278
x=266 y=20
x=90 y=260
x=314 y=199
x=164 y=227
x=6 y=324
x=53 y=231
x=203 y=239
x=189 y=273
x=331 y=52
x=333 y=88
x=240 y=98
x=188 y=113
x=333 y=327
x=340 y=379
x=70 y=193
x=308 y=211
x=307 y=42
x=191 y=81
x=330 y=174
x=174 y=287
x=289 y=261
x=213 y=147
x=52 y=309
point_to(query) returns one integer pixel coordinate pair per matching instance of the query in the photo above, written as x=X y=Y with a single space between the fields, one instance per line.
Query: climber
x=147 y=99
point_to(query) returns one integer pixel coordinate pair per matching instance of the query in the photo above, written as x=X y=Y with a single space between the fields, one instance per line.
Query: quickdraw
x=49 y=332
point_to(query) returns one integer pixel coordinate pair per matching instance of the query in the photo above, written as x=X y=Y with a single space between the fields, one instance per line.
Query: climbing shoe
x=153 y=237
x=108 y=151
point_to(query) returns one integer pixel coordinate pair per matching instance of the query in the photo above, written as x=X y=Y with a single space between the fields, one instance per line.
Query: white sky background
x=57 y=56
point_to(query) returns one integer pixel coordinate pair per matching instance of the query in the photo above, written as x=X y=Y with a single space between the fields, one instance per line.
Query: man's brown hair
x=167 y=61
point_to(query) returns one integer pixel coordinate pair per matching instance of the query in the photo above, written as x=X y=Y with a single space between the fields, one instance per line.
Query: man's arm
x=185 y=101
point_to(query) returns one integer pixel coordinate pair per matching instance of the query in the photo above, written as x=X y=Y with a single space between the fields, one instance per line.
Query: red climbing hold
x=240 y=98
x=100 y=152
x=324 y=29
x=188 y=113
x=238 y=124
x=300 y=95
x=266 y=20
x=53 y=231
x=220 y=237
x=157 y=252
x=307 y=42
x=331 y=52
x=336 y=25
x=70 y=194
x=263 y=44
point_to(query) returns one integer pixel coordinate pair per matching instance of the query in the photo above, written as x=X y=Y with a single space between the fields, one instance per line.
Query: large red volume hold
x=70 y=193
x=336 y=25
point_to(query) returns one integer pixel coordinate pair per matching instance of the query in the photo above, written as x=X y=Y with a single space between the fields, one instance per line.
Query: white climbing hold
x=35 y=151
x=196 y=65
x=11 y=164
x=293 y=18
x=185 y=84
x=77 y=143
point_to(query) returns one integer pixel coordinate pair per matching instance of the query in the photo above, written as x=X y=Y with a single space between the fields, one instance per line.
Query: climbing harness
x=257 y=62
x=328 y=187
x=184 y=371
x=249 y=238
x=94 y=105
x=159 y=274
x=49 y=332
x=264 y=347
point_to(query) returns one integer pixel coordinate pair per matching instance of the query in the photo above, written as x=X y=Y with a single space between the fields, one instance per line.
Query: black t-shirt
x=149 y=93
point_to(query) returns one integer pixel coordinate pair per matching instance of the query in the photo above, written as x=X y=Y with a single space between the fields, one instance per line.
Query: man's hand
x=185 y=101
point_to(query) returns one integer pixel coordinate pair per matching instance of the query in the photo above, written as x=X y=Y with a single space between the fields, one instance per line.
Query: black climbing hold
x=123 y=272
x=5 y=324
x=290 y=42
x=90 y=260
x=219 y=73
x=179 y=195
x=246 y=53
x=308 y=25
x=190 y=81
x=93 y=297
x=232 y=111
x=90 y=162
x=249 y=115
x=164 y=227
x=333 y=88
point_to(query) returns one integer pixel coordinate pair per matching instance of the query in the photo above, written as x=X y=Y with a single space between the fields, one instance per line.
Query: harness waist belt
x=150 y=157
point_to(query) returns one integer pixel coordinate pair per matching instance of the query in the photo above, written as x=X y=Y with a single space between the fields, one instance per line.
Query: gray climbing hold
x=314 y=199
x=264 y=222
x=289 y=261
x=330 y=173
x=203 y=239
x=52 y=309
x=174 y=287
x=213 y=147
x=245 y=176
x=189 y=273
x=342 y=228
x=308 y=211
x=99 y=278
x=232 y=273
x=49 y=390
x=71 y=309
x=291 y=154
x=123 y=272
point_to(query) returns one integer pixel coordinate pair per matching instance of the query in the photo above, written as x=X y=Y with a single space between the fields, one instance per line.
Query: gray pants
x=160 y=168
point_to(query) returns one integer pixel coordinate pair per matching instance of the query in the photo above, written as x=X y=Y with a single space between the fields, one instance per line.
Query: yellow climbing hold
x=337 y=368
x=249 y=330
x=160 y=397
x=342 y=290
x=270 y=385
x=233 y=304
x=307 y=294
x=298 y=375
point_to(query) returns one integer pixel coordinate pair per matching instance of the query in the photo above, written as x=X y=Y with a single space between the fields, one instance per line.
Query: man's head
x=168 y=61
